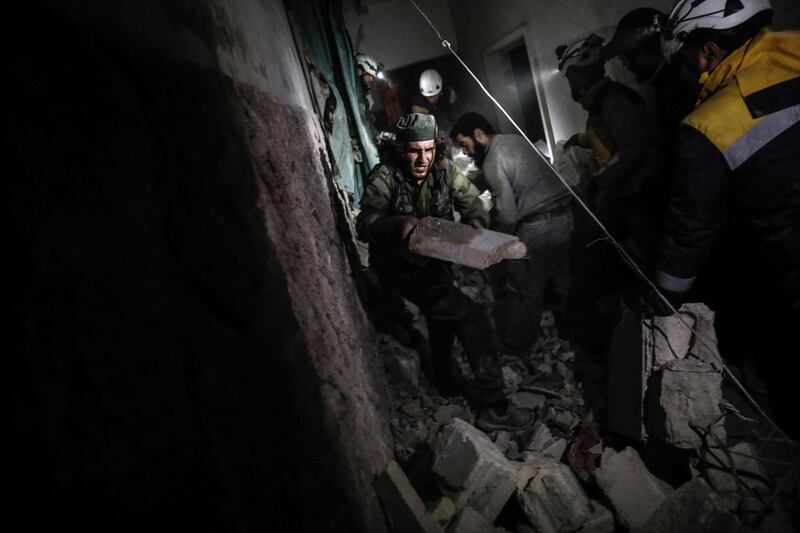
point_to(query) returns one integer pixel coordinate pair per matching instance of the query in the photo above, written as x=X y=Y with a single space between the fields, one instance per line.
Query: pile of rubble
x=558 y=475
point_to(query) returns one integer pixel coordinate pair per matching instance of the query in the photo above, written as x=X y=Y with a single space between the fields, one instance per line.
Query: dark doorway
x=529 y=104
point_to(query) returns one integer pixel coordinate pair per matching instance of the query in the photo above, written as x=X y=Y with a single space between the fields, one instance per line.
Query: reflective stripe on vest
x=759 y=135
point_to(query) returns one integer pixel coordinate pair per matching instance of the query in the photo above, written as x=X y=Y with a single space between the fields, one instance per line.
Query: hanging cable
x=626 y=257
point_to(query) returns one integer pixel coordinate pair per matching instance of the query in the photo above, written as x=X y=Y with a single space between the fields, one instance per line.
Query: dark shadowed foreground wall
x=193 y=353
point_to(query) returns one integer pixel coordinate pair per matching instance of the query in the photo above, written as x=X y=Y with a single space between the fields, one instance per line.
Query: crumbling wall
x=193 y=353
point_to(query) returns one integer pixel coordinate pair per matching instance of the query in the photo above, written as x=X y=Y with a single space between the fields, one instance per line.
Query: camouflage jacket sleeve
x=376 y=200
x=465 y=196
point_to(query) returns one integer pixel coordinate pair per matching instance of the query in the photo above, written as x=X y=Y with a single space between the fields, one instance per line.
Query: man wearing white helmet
x=434 y=98
x=621 y=134
x=738 y=166
x=368 y=69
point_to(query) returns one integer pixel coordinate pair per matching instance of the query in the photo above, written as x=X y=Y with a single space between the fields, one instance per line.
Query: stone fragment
x=443 y=511
x=553 y=500
x=473 y=471
x=471 y=521
x=527 y=400
x=403 y=506
x=463 y=244
x=693 y=507
x=683 y=395
x=633 y=491
x=556 y=449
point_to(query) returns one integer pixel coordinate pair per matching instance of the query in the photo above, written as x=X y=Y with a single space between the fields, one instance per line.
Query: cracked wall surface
x=193 y=351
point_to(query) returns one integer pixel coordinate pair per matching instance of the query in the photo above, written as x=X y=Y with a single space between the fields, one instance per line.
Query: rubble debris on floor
x=567 y=472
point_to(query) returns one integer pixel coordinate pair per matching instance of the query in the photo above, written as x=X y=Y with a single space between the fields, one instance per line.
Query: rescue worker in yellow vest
x=738 y=164
x=421 y=182
x=622 y=135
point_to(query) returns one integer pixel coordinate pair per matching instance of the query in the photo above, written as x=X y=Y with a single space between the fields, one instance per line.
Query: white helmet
x=689 y=15
x=369 y=65
x=584 y=51
x=430 y=83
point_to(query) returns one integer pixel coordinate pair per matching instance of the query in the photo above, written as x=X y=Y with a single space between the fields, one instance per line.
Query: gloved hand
x=653 y=305
x=395 y=228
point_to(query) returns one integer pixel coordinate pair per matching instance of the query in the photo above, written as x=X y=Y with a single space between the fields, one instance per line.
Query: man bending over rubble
x=420 y=182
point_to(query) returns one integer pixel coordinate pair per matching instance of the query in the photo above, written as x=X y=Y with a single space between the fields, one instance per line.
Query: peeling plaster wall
x=193 y=351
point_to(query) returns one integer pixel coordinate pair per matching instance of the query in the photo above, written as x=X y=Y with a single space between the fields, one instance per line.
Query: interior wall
x=193 y=353
x=395 y=34
x=546 y=25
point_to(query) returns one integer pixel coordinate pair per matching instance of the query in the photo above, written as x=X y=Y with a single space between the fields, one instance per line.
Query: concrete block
x=463 y=244
x=633 y=491
x=471 y=521
x=693 y=507
x=473 y=471
x=640 y=348
x=403 y=505
x=667 y=338
x=684 y=394
x=553 y=500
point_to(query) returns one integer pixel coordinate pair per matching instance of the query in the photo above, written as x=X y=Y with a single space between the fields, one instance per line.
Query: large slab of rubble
x=474 y=472
x=633 y=491
x=554 y=501
x=463 y=244
x=642 y=348
x=683 y=404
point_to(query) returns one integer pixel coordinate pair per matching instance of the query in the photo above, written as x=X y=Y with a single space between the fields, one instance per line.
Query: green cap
x=416 y=127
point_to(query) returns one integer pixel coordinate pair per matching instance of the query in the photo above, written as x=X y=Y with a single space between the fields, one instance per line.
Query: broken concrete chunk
x=527 y=400
x=473 y=470
x=463 y=244
x=556 y=449
x=512 y=379
x=633 y=491
x=600 y=521
x=667 y=338
x=443 y=511
x=471 y=521
x=403 y=506
x=693 y=507
x=685 y=394
x=553 y=500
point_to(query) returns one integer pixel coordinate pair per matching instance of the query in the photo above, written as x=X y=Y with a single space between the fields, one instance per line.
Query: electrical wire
x=626 y=257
